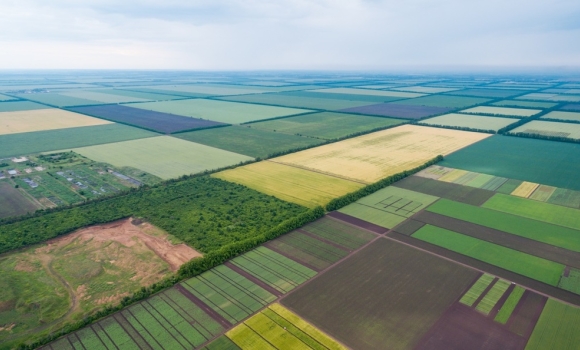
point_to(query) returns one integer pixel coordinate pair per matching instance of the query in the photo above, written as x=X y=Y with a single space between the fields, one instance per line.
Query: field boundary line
x=318 y=171
x=254 y=280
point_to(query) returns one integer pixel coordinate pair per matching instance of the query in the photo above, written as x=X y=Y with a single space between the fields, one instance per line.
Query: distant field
x=444 y=101
x=548 y=128
x=288 y=183
x=571 y=116
x=44 y=119
x=6 y=98
x=98 y=96
x=557 y=328
x=540 y=161
x=420 y=286
x=388 y=207
x=398 y=110
x=163 y=156
x=352 y=91
x=147 y=96
x=518 y=103
x=248 y=141
x=325 y=125
x=550 y=97
x=203 y=89
x=319 y=94
x=512 y=260
x=52 y=140
x=571 y=107
x=15 y=106
x=13 y=202
x=490 y=93
x=469 y=121
x=515 y=112
x=424 y=89
x=286 y=100
x=219 y=111
x=151 y=120
x=372 y=157
x=58 y=100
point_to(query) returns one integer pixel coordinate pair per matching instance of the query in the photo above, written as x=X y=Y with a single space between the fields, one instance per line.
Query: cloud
x=287 y=34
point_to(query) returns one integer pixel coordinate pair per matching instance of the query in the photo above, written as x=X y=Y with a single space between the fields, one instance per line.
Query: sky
x=288 y=34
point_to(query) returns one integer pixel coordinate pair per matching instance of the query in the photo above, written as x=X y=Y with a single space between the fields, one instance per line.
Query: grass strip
x=510 y=304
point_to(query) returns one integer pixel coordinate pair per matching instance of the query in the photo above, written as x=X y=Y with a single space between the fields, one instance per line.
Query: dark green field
x=281 y=99
x=419 y=286
x=444 y=101
x=248 y=141
x=545 y=162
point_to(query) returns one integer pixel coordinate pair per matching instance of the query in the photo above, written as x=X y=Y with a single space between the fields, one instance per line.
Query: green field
x=281 y=99
x=424 y=89
x=546 y=162
x=549 y=128
x=51 y=140
x=444 y=101
x=529 y=104
x=58 y=100
x=16 y=106
x=326 y=125
x=500 y=111
x=163 y=156
x=559 y=115
x=557 y=328
x=248 y=141
x=388 y=207
x=471 y=296
x=100 y=96
x=550 y=213
x=386 y=296
x=510 y=304
x=219 y=111
x=492 y=297
x=140 y=95
x=473 y=122
x=4 y=98
x=382 y=93
x=531 y=227
x=339 y=233
x=512 y=260
x=205 y=89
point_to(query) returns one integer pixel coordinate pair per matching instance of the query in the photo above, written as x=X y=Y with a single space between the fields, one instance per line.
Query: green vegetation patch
x=571 y=281
x=529 y=104
x=546 y=212
x=512 y=260
x=471 y=296
x=248 y=141
x=557 y=328
x=58 y=100
x=549 y=129
x=546 y=162
x=509 y=306
x=163 y=156
x=281 y=99
x=564 y=116
x=552 y=234
x=337 y=232
x=444 y=101
x=219 y=111
x=568 y=198
x=492 y=297
x=51 y=140
x=16 y=106
x=326 y=125
x=472 y=122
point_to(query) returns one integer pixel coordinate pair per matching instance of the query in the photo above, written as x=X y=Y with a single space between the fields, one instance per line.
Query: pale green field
x=353 y=91
x=515 y=112
x=572 y=116
x=470 y=121
x=6 y=98
x=547 y=128
x=210 y=90
x=425 y=89
x=163 y=156
x=219 y=111
x=102 y=97
x=550 y=97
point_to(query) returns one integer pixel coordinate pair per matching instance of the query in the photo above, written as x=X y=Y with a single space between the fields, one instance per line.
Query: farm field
x=356 y=97
x=402 y=111
x=287 y=100
x=219 y=111
x=15 y=106
x=369 y=322
x=44 y=119
x=571 y=107
x=76 y=274
x=150 y=120
x=546 y=162
x=563 y=116
x=163 y=156
x=248 y=141
x=527 y=104
x=102 y=97
x=489 y=93
x=20 y=144
x=388 y=207
x=147 y=96
x=57 y=100
x=289 y=183
x=6 y=98
x=556 y=328
x=550 y=97
x=473 y=122
x=204 y=90
x=499 y=111
x=13 y=202
x=424 y=89
x=325 y=125
x=372 y=157
x=443 y=101
x=278 y=328
x=550 y=129
x=353 y=91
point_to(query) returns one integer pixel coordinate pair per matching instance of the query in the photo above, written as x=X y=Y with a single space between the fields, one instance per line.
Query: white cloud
x=287 y=34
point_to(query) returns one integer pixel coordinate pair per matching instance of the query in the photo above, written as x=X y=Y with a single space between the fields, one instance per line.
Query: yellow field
x=525 y=189
x=372 y=157
x=288 y=183
x=453 y=175
x=44 y=119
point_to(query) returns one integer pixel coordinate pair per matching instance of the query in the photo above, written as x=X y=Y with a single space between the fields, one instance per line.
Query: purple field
x=151 y=120
x=398 y=110
x=571 y=107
